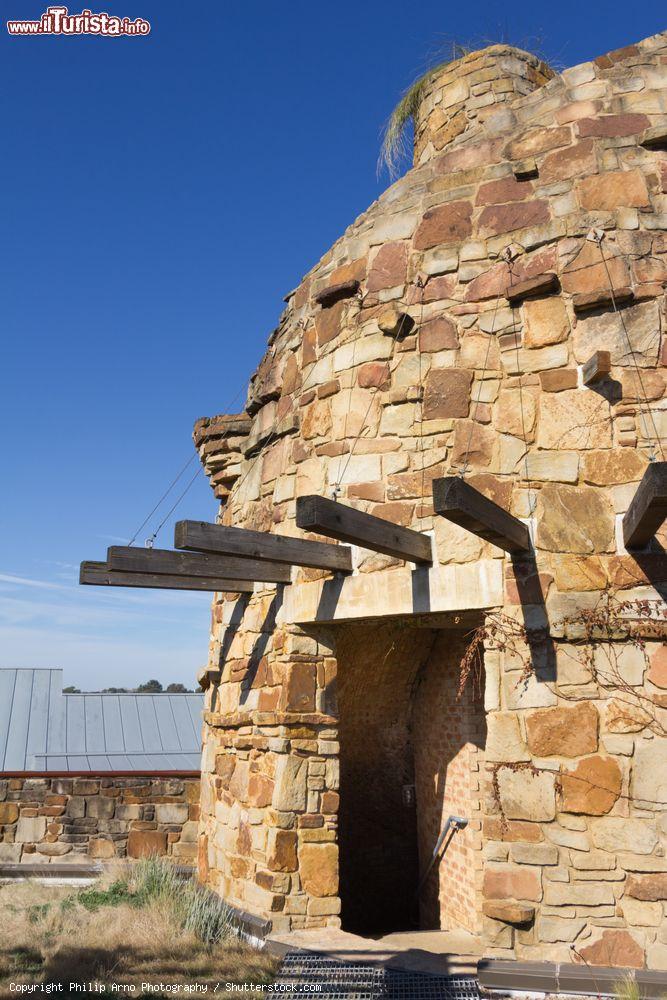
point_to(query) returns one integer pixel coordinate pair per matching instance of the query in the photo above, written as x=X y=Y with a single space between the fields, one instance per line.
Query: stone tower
x=498 y=313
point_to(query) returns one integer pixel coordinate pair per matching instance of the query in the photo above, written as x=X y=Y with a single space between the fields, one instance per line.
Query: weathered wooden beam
x=459 y=502
x=199 y=536
x=328 y=517
x=648 y=508
x=97 y=574
x=596 y=368
x=130 y=560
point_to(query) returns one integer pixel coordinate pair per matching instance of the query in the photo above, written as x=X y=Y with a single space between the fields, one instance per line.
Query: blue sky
x=160 y=196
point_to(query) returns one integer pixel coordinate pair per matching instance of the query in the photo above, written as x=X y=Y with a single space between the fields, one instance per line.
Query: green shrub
x=117 y=893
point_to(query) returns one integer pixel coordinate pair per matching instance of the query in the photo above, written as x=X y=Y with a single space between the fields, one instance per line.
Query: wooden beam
x=97 y=574
x=328 y=517
x=648 y=509
x=198 y=536
x=130 y=560
x=459 y=502
x=596 y=368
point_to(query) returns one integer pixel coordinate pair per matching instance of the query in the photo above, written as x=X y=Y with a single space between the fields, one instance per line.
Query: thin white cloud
x=25 y=581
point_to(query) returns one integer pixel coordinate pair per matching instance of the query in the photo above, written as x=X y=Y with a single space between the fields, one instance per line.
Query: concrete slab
x=445 y=953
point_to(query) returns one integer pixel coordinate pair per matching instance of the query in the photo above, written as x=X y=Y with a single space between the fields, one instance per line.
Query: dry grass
x=50 y=934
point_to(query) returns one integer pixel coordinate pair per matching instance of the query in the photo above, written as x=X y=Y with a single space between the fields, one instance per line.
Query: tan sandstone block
x=507 y=882
x=146 y=843
x=615 y=833
x=503 y=738
x=626 y=188
x=593 y=787
x=657 y=673
x=649 y=772
x=527 y=796
x=573 y=419
x=604 y=332
x=566 y=732
x=612 y=467
x=318 y=868
x=9 y=813
x=546 y=322
x=515 y=412
x=574 y=519
x=641 y=914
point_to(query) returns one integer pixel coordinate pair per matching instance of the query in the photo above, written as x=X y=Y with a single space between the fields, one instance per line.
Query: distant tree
x=150 y=687
x=178 y=689
x=115 y=690
x=70 y=689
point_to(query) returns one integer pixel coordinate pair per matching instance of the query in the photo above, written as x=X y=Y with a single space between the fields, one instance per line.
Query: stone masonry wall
x=399 y=359
x=469 y=90
x=97 y=817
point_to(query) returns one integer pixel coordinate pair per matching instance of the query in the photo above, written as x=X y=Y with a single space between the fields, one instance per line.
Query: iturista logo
x=58 y=21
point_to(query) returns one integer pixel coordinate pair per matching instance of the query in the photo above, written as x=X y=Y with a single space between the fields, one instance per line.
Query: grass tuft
x=146 y=925
x=395 y=140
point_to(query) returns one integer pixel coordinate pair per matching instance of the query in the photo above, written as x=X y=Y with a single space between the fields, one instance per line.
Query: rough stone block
x=593 y=787
x=507 y=882
x=649 y=772
x=146 y=843
x=318 y=868
x=30 y=829
x=566 y=732
x=503 y=738
x=171 y=812
x=525 y=795
x=616 y=833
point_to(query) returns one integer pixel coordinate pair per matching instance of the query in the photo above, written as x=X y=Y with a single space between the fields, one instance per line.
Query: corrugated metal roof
x=42 y=729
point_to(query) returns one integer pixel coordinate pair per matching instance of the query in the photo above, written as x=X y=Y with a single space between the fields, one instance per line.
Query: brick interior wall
x=79 y=819
x=401 y=725
x=447 y=735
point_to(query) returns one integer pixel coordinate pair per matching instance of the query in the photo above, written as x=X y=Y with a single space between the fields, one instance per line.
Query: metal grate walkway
x=316 y=976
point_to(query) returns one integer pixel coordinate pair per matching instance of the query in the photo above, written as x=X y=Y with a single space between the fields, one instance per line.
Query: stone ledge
x=238 y=720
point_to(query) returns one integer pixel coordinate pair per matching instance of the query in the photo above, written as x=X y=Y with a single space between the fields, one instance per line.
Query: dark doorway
x=402 y=733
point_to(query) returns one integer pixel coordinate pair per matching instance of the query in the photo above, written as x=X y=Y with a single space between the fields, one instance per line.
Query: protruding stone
x=509 y=913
